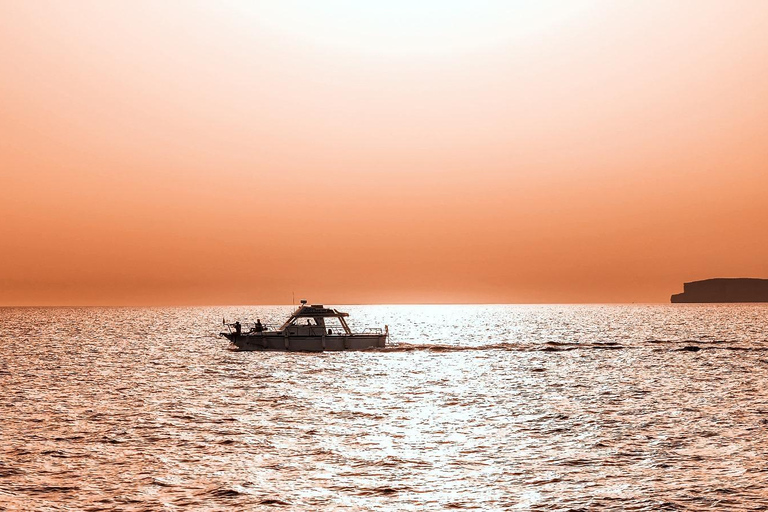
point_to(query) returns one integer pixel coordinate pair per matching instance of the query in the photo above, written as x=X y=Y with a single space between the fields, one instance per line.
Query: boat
x=310 y=328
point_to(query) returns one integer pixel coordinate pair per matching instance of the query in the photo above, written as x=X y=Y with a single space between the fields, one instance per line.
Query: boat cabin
x=316 y=320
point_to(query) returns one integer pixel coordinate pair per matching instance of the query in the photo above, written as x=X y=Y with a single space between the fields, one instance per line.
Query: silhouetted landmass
x=724 y=290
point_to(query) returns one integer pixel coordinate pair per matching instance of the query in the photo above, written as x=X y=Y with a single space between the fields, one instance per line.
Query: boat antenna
x=293 y=298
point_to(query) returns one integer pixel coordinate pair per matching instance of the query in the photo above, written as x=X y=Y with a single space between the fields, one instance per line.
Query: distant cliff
x=724 y=290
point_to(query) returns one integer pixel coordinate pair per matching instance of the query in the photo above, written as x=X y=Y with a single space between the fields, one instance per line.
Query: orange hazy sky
x=183 y=152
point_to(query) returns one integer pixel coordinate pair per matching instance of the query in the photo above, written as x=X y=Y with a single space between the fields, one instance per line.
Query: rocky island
x=724 y=290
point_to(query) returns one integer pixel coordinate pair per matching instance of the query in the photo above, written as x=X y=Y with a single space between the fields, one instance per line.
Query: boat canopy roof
x=317 y=310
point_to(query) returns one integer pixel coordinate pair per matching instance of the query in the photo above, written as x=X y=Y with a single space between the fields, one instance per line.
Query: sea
x=470 y=407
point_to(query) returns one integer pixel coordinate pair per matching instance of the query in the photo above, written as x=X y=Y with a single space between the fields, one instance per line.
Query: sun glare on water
x=401 y=27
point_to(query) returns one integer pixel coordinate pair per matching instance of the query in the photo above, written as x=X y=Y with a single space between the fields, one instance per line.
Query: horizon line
x=342 y=304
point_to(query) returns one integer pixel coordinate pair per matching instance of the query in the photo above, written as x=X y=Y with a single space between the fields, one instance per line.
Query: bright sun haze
x=351 y=152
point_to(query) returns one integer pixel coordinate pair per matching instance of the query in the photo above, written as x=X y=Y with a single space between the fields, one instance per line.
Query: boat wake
x=673 y=346
x=505 y=346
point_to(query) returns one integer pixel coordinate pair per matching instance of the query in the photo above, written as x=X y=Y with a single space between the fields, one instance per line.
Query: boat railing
x=249 y=327
x=264 y=327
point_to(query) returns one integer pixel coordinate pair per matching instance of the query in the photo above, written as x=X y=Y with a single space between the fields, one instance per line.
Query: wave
x=273 y=501
x=224 y=492
x=381 y=491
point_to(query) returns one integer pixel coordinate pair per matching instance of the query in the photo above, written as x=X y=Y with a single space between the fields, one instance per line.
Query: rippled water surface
x=473 y=407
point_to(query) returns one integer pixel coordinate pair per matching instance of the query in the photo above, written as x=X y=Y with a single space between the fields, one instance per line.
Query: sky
x=246 y=152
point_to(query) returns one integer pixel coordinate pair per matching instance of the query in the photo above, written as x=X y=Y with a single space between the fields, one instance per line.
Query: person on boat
x=258 y=327
x=238 y=328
